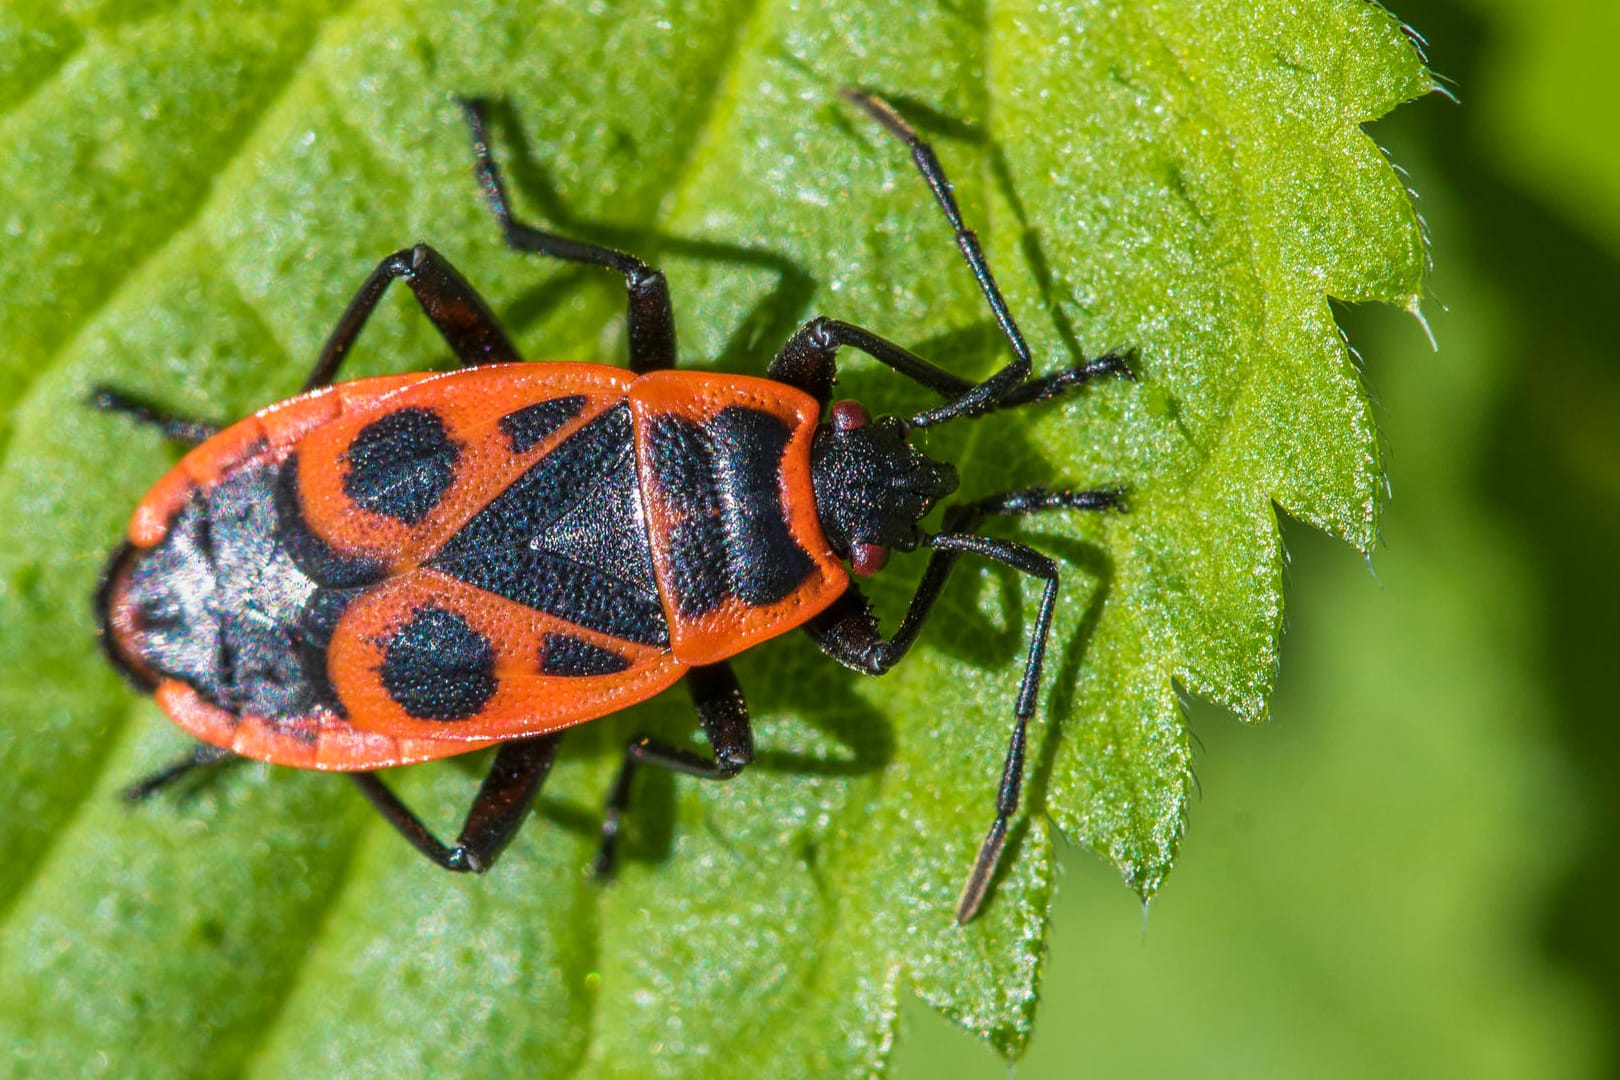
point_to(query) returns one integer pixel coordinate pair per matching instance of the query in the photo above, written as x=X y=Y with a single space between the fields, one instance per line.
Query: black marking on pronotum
x=216 y=602
x=723 y=481
x=401 y=464
x=530 y=425
x=437 y=667
x=313 y=555
x=764 y=563
x=568 y=537
x=697 y=538
x=564 y=654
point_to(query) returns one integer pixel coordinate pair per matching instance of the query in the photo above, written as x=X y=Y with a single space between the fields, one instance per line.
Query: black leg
x=1046 y=387
x=982 y=397
x=651 y=320
x=453 y=306
x=723 y=714
x=179 y=429
x=498 y=810
x=849 y=633
x=809 y=362
x=202 y=755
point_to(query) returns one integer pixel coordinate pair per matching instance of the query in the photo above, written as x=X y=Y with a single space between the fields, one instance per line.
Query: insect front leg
x=848 y=631
x=981 y=397
x=497 y=812
x=723 y=715
x=809 y=362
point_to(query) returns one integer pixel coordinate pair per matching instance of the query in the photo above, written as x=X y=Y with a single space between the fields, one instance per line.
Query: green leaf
x=1401 y=927
x=196 y=188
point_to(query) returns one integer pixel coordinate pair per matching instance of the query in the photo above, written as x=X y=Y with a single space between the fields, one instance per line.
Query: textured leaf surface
x=1399 y=928
x=195 y=188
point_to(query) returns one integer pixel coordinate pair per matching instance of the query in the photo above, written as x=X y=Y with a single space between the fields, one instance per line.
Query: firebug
x=398 y=569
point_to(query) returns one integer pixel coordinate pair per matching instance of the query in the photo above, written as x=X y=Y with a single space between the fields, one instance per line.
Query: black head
x=872 y=487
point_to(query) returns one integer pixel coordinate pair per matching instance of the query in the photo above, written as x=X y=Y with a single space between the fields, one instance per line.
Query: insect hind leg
x=187 y=432
x=202 y=756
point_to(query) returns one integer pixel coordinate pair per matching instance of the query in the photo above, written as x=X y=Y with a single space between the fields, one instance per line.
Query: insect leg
x=651 y=319
x=498 y=810
x=979 y=398
x=1046 y=387
x=848 y=632
x=202 y=755
x=808 y=360
x=723 y=714
x=453 y=306
x=974 y=399
x=175 y=428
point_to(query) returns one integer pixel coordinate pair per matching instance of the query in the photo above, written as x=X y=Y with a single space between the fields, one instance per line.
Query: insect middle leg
x=651 y=319
x=848 y=631
x=723 y=715
x=497 y=811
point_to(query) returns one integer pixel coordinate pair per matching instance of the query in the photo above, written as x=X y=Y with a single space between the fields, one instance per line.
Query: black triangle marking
x=568 y=537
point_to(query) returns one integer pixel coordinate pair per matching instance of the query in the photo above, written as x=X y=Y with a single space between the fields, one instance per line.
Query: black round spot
x=438 y=667
x=401 y=464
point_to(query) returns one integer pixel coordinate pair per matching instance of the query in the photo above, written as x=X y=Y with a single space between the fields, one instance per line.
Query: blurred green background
x=1411 y=869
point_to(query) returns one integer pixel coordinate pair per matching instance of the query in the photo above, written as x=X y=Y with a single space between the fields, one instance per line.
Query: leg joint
x=405 y=262
x=874 y=659
x=820 y=332
x=731 y=760
x=463 y=860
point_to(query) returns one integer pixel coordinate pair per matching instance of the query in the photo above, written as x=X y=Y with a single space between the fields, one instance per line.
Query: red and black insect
x=398 y=569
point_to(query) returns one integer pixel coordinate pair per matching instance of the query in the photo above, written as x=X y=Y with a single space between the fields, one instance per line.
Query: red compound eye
x=868 y=559
x=848 y=415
